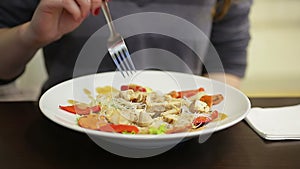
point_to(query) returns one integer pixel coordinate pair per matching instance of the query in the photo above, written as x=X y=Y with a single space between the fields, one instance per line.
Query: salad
x=135 y=109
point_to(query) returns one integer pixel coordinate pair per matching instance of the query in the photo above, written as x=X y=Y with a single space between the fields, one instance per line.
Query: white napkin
x=280 y=123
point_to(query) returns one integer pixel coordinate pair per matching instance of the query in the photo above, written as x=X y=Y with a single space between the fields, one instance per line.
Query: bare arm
x=51 y=20
x=16 y=48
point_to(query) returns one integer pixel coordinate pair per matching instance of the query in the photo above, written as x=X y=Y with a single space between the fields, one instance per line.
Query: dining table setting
x=31 y=140
x=143 y=116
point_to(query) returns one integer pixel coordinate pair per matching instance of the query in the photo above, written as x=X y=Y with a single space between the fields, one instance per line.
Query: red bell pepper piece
x=185 y=93
x=119 y=128
x=212 y=99
x=207 y=99
x=81 y=111
x=133 y=87
x=202 y=120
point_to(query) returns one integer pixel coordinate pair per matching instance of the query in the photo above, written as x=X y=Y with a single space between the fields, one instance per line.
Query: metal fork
x=117 y=47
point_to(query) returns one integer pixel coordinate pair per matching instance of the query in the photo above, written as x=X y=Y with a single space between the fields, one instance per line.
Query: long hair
x=220 y=10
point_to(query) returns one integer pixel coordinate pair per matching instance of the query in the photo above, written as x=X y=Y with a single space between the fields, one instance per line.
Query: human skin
x=51 y=20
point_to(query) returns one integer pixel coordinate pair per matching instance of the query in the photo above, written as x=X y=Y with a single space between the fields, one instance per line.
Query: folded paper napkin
x=280 y=123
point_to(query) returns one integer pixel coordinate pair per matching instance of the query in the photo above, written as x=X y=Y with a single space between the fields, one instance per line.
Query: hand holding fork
x=117 y=47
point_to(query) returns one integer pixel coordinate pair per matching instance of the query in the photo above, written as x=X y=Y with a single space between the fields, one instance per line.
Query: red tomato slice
x=119 y=128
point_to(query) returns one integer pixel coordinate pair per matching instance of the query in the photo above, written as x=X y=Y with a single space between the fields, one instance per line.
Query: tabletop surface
x=29 y=140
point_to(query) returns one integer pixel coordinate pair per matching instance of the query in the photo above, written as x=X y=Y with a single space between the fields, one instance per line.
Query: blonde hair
x=220 y=10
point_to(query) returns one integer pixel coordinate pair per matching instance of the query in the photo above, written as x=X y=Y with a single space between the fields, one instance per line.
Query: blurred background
x=274 y=51
x=274 y=55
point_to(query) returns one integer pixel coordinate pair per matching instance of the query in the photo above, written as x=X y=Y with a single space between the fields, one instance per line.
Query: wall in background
x=32 y=80
x=274 y=51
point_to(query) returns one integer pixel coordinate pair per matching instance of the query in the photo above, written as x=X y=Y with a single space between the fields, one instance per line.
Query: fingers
x=78 y=9
x=85 y=6
x=73 y=8
x=81 y=8
x=95 y=6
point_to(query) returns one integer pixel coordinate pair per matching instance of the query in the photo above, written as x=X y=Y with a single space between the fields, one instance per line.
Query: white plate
x=236 y=105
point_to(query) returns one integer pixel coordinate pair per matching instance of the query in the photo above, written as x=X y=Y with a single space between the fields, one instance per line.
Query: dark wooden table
x=29 y=140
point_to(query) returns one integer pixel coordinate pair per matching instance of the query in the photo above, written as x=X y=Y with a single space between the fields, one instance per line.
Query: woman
x=61 y=27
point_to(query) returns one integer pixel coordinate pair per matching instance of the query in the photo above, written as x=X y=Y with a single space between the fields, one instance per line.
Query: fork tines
x=117 y=47
x=122 y=59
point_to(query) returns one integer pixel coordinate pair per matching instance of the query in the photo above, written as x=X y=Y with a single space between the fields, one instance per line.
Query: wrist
x=28 y=38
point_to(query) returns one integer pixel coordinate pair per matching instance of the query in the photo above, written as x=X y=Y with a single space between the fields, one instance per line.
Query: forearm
x=16 y=49
x=50 y=21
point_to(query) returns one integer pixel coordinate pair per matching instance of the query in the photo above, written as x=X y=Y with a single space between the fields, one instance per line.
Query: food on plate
x=135 y=109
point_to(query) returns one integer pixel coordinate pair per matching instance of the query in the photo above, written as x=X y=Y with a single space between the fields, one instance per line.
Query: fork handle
x=108 y=18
